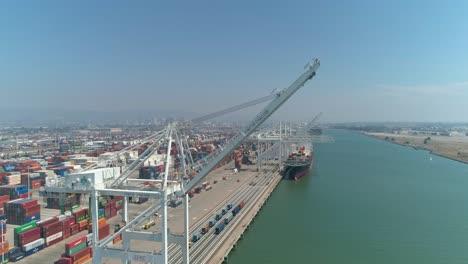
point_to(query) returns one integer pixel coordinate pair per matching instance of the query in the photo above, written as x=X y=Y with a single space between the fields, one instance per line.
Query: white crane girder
x=280 y=99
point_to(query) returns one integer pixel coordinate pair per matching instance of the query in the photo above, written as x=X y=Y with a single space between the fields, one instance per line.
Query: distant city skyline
x=381 y=61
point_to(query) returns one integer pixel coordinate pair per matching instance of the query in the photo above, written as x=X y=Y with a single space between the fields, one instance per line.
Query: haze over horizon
x=398 y=61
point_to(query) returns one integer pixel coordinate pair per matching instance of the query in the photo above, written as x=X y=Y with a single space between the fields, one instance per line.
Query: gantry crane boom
x=234 y=108
x=280 y=98
x=315 y=119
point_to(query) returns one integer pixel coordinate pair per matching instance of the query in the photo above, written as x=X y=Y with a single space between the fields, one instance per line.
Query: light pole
x=2 y=222
x=29 y=183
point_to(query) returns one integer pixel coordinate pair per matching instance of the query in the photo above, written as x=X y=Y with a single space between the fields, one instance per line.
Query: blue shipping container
x=34 y=250
x=211 y=223
x=35 y=217
x=219 y=228
x=14 y=250
x=9 y=167
x=228 y=218
x=196 y=237
x=217 y=217
x=62 y=172
x=235 y=210
x=17 y=256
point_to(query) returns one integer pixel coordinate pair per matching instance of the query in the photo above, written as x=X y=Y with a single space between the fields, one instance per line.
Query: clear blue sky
x=392 y=61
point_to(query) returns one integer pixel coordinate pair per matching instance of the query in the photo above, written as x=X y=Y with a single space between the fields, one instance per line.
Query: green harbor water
x=366 y=201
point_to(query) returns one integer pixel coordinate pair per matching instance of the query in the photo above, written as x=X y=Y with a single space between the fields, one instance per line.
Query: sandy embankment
x=455 y=148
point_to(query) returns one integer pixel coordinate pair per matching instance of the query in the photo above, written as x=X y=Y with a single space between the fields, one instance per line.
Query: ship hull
x=297 y=172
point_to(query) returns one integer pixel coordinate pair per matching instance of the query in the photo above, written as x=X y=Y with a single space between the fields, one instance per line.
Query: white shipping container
x=61 y=217
x=14 y=176
x=13 y=179
x=89 y=239
x=53 y=237
x=33 y=244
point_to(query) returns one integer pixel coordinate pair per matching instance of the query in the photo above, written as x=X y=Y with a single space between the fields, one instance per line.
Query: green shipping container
x=76 y=249
x=103 y=202
x=25 y=227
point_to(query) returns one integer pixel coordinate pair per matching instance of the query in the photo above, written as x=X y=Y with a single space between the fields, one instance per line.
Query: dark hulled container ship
x=298 y=164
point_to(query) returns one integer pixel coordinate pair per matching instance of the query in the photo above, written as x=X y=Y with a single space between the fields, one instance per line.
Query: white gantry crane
x=166 y=189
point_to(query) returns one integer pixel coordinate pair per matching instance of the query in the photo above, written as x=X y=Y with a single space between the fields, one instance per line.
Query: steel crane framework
x=165 y=189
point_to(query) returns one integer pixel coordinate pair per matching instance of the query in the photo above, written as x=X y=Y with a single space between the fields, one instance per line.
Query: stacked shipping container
x=34 y=236
x=35 y=180
x=22 y=211
x=14 y=191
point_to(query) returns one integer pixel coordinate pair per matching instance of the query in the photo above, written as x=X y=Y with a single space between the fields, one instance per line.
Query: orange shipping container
x=4 y=248
x=83 y=223
x=102 y=222
x=117 y=239
x=83 y=259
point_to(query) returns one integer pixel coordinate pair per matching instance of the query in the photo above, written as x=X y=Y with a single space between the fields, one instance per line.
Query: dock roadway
x=212 y=248
x=204 y=206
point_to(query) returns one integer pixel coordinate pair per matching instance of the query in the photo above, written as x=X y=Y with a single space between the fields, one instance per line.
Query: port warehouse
x=21 y=205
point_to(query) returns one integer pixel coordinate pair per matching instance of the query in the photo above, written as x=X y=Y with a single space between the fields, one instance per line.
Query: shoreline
x=414 y=147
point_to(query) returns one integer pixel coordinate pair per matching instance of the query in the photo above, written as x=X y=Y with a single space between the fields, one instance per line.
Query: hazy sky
x=392 y=61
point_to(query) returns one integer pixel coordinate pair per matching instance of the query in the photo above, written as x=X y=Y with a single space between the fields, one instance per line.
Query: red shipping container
x=29 y=203
x=47 y=221
x=4 y=198
x=32 y=210
x=74 y=229
x=66 y=222
x=72 y=220
x=51 y=229
x=29 y=236
x=25 y=195
x=113 y=212
x=52 y=225
x=104 y=231
x=75 y=242
x=64 y=261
